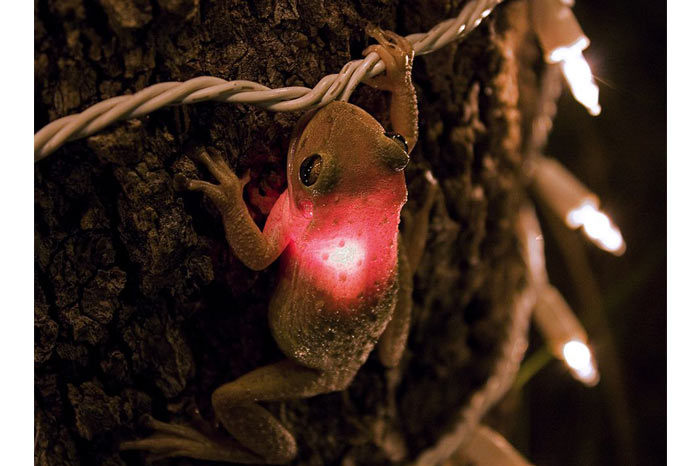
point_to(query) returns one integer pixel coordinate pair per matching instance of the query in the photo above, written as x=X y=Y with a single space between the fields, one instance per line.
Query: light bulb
x=565 y=336
x=575 y=204
x=563 y=42
x=580 y=78
x=578 y=357
x=597 y=226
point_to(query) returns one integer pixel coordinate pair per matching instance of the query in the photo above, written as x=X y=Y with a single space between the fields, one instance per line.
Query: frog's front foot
x=226 y=195
x=171 y=440
x=397 y=54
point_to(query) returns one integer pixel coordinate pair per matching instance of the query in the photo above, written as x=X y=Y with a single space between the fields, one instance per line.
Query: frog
x=345 y=274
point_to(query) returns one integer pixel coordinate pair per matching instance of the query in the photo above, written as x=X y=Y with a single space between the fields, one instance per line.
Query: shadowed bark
x=139 y=305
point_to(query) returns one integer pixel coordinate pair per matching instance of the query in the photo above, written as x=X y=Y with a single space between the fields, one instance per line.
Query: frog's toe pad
x=181 y=182
x=172 y=440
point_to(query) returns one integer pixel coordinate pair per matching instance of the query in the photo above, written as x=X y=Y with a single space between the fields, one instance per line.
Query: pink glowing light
x=344 y=256
x=339 y=266
x=348 y=260
x=347 y=253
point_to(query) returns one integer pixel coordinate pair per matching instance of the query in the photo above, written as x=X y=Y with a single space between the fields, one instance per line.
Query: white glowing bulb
x=579 y=76
x=345 y=256
x=562 y=53
x=597 y=226
x=578 y=357
x=563 y=42
x=565 y=336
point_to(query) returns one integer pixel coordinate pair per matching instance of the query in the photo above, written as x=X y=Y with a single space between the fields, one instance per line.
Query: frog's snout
x=396 y=160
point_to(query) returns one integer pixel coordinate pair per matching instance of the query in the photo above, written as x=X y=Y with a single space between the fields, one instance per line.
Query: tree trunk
x=140 y=306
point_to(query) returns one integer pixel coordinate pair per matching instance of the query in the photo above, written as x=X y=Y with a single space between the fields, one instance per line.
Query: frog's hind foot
x=171 y=440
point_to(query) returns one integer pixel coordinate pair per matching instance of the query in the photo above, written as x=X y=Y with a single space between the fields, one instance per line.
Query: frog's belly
x=319 y=330
x=338 y=285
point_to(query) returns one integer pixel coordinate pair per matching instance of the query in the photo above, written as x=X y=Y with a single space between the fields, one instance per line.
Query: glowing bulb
x=580 y=78
x=563 y=42
x=344 y=257
x=562 y=53
x=338 y=266
x=578 y=357
x=564 y=335
x=597 y=226
x=574 y=204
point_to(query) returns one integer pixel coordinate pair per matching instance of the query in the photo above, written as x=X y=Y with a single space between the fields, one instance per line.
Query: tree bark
x=139 y=305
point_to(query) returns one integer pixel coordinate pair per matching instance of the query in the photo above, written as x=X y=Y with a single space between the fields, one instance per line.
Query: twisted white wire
x=287 y=99
x=508 y=362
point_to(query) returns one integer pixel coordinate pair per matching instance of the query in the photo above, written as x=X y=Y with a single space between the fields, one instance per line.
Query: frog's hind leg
x=260 y=438
x=411 y=246
x=235 y=405
x=172 y=440
x=393 y=340
x=416 y=231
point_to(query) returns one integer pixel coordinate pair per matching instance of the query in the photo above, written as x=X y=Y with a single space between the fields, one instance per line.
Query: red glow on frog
x=345 y=257
x=338 y=265
x=346 y=191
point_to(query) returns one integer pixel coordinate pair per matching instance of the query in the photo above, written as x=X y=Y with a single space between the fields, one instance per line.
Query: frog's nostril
x=396 y=137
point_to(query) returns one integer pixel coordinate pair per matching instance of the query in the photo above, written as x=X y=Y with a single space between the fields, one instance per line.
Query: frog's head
x=341 y=151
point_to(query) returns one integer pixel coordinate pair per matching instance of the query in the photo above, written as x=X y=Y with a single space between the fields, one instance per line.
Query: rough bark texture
x=141 y=308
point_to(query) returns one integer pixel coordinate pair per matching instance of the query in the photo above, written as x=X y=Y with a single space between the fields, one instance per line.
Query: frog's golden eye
x=310 y=169
x=398 y=138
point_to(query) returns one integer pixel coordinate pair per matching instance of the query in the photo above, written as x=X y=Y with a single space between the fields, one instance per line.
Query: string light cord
x=551 y=85
x=209 y=88
x=499 y=382
x=553 y=184
x=543 y=118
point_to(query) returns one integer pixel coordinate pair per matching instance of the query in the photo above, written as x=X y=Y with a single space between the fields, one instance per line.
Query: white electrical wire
x=511 y=352
x=287 y=99
x=500 y=381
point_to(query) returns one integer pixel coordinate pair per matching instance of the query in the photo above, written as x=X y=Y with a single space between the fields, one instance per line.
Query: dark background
x=621 y=155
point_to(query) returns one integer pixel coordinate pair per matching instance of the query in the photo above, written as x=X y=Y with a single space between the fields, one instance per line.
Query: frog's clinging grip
x=397 y=54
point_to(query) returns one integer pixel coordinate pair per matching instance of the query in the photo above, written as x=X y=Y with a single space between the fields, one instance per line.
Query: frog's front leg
x=397 y=54
x=254 y=248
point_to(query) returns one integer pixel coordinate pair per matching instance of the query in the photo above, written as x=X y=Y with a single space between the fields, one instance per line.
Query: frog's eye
x=310 y=169
x=398 y=138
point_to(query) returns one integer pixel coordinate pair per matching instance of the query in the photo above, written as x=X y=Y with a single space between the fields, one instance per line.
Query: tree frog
x=345 y=277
